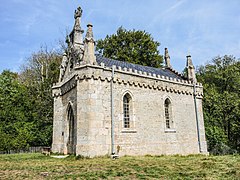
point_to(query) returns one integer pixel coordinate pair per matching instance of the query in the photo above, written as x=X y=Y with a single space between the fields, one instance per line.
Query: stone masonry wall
x=147 y=133
x=61 y=123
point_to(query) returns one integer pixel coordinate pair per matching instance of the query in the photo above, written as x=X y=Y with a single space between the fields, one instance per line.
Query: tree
x=136 y=47
x=41 y=66
x=221 y=80
x=16 y=120
x=26 y=103
x=38 y=75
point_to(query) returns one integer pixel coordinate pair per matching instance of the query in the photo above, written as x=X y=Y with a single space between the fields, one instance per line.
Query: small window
x=126 y=111
x=167 y=105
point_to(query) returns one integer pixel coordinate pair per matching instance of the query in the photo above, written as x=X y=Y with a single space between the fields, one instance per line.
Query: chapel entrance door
x=71 y=145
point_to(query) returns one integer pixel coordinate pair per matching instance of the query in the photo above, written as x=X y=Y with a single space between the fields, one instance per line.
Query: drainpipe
x=196 y=113
x=112 y=115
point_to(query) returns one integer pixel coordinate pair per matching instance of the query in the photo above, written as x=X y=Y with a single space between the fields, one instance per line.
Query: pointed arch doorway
x=71 y=143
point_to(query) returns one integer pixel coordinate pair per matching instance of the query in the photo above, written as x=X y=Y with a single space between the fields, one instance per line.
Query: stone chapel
x=109 y=107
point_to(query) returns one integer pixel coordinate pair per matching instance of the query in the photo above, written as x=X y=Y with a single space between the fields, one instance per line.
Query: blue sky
x=204 y=28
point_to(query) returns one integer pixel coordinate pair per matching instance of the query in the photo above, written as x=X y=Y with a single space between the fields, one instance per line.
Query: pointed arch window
x=126 y=110
x=167 y=109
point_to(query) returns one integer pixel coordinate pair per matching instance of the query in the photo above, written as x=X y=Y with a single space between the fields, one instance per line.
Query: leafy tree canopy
x=16 y=126
x=38 y=74
x=133 y=46
x=221 y=80
x=26 y=103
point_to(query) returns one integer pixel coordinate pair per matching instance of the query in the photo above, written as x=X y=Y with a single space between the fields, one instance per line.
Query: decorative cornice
x=141 y=74
x=69 y=84
x=62 y=88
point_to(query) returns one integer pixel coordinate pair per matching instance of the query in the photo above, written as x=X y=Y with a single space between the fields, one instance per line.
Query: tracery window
x=126 y=110
x=167 y=106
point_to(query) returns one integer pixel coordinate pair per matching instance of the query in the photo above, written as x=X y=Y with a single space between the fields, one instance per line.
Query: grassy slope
x=37 y=166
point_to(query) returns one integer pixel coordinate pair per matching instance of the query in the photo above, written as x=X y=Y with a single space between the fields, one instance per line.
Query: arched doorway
x=71 y=144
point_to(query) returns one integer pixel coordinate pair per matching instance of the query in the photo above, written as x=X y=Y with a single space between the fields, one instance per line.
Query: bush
x=222 y=149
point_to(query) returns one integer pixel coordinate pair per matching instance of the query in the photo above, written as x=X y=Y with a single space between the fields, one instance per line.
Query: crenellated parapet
x=128 y=76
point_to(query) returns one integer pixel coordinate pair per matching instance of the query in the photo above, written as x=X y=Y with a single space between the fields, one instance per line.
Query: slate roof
x=158 y=71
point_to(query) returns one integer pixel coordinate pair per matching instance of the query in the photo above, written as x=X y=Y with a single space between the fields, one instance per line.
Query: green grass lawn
x=38 y=166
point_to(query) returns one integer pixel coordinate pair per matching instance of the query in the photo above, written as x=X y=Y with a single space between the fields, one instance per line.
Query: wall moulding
x=102 y=73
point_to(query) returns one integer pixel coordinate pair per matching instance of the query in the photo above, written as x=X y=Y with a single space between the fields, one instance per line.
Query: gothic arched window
x=168 y=118
x=126 y=110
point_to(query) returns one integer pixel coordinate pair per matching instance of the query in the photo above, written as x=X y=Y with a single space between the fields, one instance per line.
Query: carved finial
x=63 y=66
x=89 y=53
x=78 y=12
x=89 y=35
x=77 y=16
x=167 y=58
x=190 y=69
x=189 y=61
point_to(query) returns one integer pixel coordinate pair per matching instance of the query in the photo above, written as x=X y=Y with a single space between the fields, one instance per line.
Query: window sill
x=129 y=131
x=170 y=130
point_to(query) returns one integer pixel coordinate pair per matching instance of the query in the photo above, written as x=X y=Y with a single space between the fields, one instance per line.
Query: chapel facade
x=109 y=107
